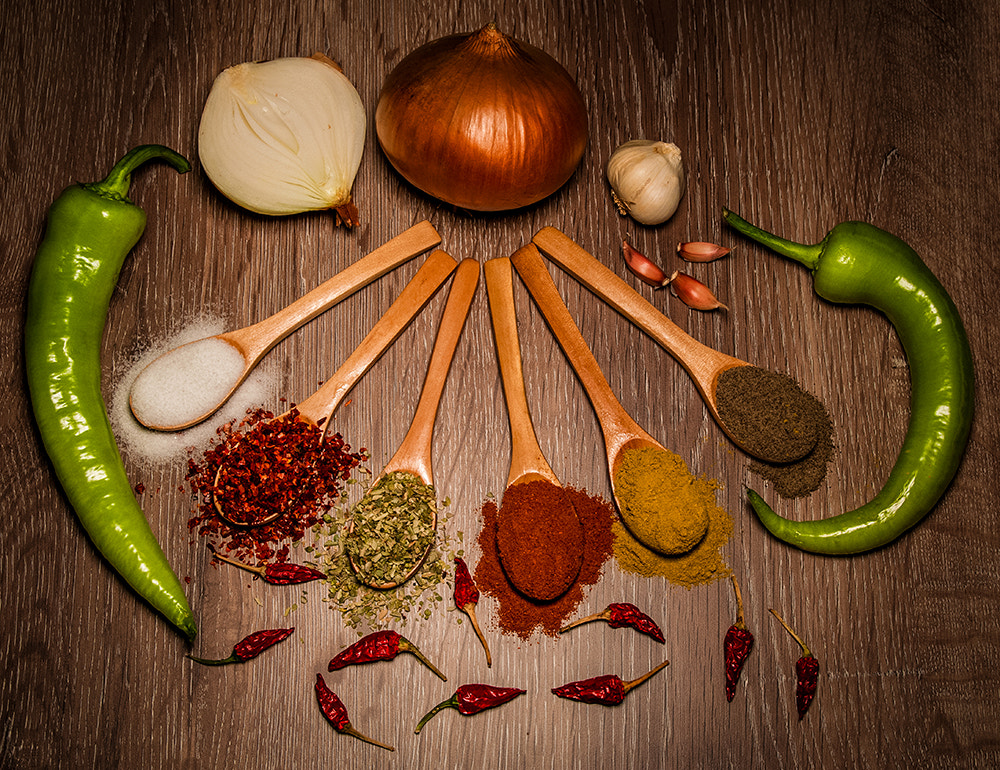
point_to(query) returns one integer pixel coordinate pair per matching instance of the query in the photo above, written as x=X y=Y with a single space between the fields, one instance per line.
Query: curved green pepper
x=859 y=263
x=91 y=229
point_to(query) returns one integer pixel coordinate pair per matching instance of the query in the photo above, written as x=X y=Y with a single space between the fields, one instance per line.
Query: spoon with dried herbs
x=189 y=383
x=392 y=528
x=535 y=512
x=244 y=485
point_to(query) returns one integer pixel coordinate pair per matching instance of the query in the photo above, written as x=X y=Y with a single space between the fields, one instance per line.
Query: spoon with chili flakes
x=525 y=539
x=392 y=528
x=256 y=483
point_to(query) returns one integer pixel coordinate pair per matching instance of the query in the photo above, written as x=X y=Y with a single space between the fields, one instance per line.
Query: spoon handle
x=617 y=425
x=256 y=340
x=526 y=455
x=701 y=362
x=414 y=453
x=324 y=402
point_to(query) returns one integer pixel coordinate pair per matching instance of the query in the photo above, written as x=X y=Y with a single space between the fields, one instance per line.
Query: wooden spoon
x=320 y=406
x=253 y=342
x=414 y=453
x=528 y=464
x=701 y=362
x=621 y=432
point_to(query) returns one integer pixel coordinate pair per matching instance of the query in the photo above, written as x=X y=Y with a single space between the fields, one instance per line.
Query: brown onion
x=482 y=121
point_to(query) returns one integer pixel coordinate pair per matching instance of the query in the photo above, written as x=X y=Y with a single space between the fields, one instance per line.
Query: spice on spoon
x=249 y=647
x=470 y=699
x=737 y=645
x=376 y=646
x=806 y=672
x=335 y=711
x=606 y=690
x=466 y=598
x=620 y=615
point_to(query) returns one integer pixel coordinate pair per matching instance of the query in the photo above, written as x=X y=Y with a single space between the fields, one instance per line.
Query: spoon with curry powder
x=670 y=529
x=189 y=383
x=539 y=534
x=765 y=413
x=392 y=528
x=230 y=485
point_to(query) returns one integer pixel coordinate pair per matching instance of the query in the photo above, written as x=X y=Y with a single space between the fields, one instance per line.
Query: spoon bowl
x=203 y=374
x=318 y=408
x=515 y=537
x=414 y=453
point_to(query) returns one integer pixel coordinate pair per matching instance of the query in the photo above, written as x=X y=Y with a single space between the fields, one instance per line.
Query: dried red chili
x=607 y=690
x=335 y=711
x=277 y=573
x=737 y=645
x=620 y=615
x=466 y=598
x=806 y=672
x=304 y=473
x=249 y=646
x=379 y=645
x=471 y=699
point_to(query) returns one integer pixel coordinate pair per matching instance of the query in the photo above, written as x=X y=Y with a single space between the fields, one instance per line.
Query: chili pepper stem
x=259 y=571
x=221 y=662
x=407 y=646
x=805 y=650
x=116 y=184
x=805 y=254
x=740 y=622
x=636 y=682
x=469 y=609
x=451 y=703
x=589 y=619
x=349 y=730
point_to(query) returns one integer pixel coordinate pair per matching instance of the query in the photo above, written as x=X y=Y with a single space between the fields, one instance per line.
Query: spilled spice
x=805 y=476
x=702 y=564
x=516 y=614
x=275 y=464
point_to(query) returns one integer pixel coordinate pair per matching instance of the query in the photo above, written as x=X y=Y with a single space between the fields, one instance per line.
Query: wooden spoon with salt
x=318 y=408
x=414 y=453
x=525 y=543
x=778 y=441
x=197 y=389
x=621 y=432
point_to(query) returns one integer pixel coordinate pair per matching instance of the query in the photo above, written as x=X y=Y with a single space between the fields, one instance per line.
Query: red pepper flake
x=271 y=465
x=379 y=645
x=606 y=690
x=737 y=646
x=336 y=713
x=806 y=672
x=620 y=615
x=470 y=699
x=140 y=488
x=249 y=647
x=466 y=598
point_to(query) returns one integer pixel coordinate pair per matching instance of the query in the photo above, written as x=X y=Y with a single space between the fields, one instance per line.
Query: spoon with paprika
x=316 y=410
x=406 y=482
x=194 y=371
x=541 y=554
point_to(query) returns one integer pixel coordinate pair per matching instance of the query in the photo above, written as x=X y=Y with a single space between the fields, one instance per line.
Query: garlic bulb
x=284 y=136
x=647 y=180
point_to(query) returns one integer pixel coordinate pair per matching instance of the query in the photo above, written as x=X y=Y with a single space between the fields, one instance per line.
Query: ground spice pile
x=272 y=466
x=519 y=615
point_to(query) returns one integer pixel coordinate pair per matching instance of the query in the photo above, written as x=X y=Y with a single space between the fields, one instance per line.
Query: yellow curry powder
x=660 y=480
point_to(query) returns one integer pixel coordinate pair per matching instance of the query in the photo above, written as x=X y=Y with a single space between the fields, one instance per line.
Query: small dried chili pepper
x=806 y=671
x=608 y=690
x=619 y=615
x=379 y=645
x=737 y=645
x=466 y=597
x=471 y=699
x=336 y=713
x=249 y=646
x=277 y=573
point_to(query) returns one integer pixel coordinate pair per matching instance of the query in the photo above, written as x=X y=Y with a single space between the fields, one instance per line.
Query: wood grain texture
x=798 y=117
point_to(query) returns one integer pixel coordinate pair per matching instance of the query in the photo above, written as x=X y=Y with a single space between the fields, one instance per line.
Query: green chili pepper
x=91 y=229
x=861 y=264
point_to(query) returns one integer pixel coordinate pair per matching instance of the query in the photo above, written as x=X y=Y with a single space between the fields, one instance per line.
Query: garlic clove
x=284 y=136
x=693 y=292
x=647 y=180
x=643 y=268
x=701 y=251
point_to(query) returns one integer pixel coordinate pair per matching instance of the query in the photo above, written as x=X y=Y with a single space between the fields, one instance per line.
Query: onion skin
x=482 y=121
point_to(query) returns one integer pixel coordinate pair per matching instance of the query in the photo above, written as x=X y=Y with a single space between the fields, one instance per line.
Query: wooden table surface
x=800 y=116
